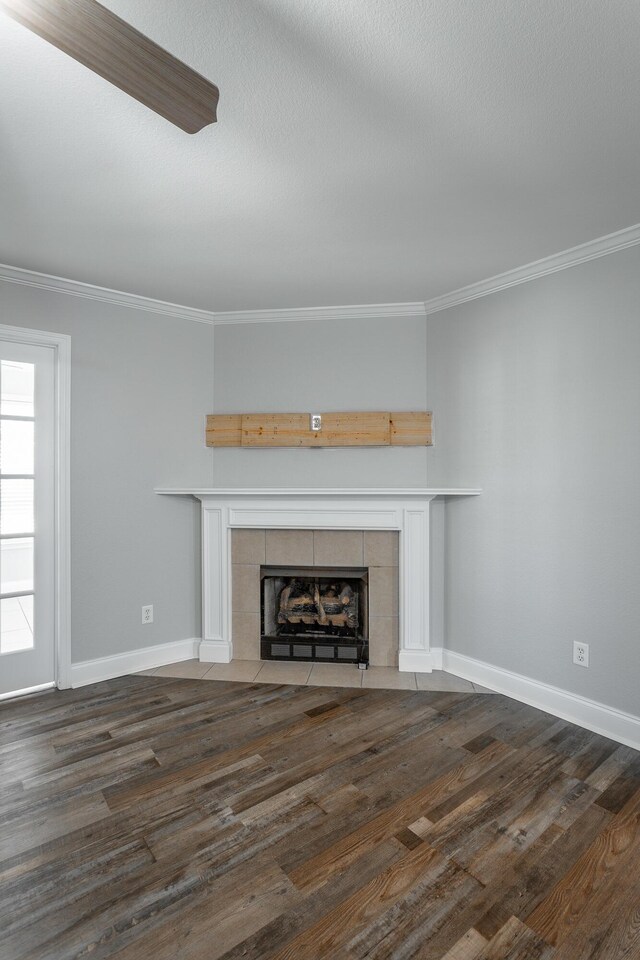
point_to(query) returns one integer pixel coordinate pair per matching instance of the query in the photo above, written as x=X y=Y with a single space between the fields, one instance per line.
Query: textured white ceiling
x=366 y=150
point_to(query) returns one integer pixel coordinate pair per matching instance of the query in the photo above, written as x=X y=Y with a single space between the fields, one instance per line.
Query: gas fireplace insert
x=314 y=613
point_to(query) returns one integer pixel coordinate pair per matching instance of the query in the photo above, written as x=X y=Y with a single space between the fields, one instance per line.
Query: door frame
x=61 y=345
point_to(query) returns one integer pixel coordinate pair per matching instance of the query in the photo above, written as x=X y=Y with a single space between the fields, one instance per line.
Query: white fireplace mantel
x=406 y=511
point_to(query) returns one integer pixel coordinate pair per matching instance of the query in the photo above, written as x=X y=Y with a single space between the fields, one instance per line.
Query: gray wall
x=536 y=393
x=141 y=386
x=315 y=366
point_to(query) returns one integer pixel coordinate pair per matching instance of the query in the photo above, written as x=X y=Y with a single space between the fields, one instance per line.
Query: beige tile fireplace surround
x=376 y=550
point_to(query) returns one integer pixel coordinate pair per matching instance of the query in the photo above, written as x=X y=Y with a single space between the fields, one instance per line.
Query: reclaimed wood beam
x=349 y=429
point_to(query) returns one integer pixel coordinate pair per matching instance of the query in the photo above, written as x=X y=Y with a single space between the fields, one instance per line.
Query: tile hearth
x=316 y=674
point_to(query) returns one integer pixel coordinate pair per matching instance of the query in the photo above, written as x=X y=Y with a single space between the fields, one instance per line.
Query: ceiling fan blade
x=112 y=48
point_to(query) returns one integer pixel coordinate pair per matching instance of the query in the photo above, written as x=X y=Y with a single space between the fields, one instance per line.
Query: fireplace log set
x=323 y=607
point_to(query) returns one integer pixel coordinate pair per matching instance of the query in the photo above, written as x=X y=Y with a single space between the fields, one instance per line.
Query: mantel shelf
x=315 y=493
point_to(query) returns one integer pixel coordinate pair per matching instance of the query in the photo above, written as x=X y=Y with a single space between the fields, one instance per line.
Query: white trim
x=416 y=661
x=25 y=693
x=216 y=651
x=63 y=511
x=342 y=516
x=601 y=247
x=363 y=311
x=319 y=493
x=598 y=717
x=216 y=571
x=61 y=344
x=88 y=291
x=120 y=664
x=414 y=611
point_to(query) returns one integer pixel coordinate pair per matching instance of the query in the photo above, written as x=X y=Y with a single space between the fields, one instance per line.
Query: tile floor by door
x=316 y=674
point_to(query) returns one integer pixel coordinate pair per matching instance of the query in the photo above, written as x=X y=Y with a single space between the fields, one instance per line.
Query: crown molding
x=74 y=288
x=366 y=311
x=601 y=247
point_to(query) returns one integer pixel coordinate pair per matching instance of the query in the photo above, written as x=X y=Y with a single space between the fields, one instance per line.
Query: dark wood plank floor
x=151 y=819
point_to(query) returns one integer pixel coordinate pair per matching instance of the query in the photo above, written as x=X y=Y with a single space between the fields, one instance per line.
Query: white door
x=27 y=516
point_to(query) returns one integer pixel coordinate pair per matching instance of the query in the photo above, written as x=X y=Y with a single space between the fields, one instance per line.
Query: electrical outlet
x=581 y=653
x=147 y=613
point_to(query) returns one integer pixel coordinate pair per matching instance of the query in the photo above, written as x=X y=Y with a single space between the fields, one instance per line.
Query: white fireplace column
x=407 y=511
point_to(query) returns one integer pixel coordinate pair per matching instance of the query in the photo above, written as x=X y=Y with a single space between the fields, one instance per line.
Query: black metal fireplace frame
x=306 y=645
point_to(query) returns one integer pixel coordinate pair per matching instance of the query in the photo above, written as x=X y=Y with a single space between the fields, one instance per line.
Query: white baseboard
x=417 y=661
x=615 y=724
x=216 y=651
x=120 y=664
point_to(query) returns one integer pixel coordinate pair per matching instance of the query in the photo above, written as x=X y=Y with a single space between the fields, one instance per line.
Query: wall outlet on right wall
x=581 y=653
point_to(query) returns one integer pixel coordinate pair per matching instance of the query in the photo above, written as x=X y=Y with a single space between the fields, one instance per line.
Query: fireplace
x=314 y=614
x=402 y=582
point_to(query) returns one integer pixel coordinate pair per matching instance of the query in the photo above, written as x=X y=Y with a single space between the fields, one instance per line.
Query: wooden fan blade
x=112 y=48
